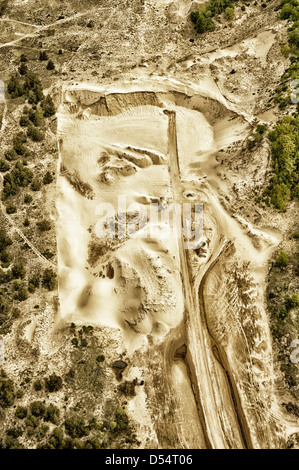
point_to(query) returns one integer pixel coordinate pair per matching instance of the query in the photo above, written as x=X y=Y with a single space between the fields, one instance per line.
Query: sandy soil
x=119 y=141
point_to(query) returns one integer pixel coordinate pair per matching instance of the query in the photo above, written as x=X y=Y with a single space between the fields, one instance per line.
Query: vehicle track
x=198 y=361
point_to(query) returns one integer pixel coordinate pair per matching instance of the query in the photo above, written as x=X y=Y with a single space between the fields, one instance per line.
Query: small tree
x=36 y=185
x=53 y=383
x=44 y=225
x=35 y=134
x=4 y=166
x=23 y=69
x=52 y=414
x=229 y=13
x=281 y=260
x=24 y=121
x=48 y=178
x=18 y=271
x=49 y=279
x=38 y=409
x=43 y=55
x=11 y=209
x=50 y=65
x=21 y=412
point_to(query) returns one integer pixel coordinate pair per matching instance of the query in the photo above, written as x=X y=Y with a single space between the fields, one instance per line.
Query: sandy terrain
x=122 y=143
x=152 y=114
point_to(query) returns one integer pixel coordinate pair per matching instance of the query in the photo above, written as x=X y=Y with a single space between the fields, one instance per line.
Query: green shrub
x=49 y=279
x=203 y=21
x=53 y=383
x=37 y=385
x=292 y=302
x=43 y=55
x=35 y=134
x=24 y=121
x=229 y=13
x=31 y=421
x=12 y=443
x=21 y=292
x=52 y=414
x=7 y=394
x=48 y=107
x=38 y=409
x=20 y=176
x=23 y=69
x=18 y=271
x=50 y=65
x=36 y=185
x=21 y=412
x=281 y=260
x=36 y=117
x=44 y=225
x=18 y=146
x=48 y=178
x=75 y=427
x=27 y=199
x=48 y=254
x=4 y=166
x=11 y=209
x=11 y=155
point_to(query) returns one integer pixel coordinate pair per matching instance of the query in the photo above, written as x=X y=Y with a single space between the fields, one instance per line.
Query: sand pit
x=122 y=152
x=116 y=145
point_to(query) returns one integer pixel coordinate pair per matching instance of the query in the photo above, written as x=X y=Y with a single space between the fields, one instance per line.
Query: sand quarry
x=197 y=313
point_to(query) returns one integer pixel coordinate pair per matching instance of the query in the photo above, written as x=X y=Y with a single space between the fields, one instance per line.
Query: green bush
x=43 y=55
x=53 y=383
x=229 y=13
x=11 y=155
x=75 y=427
x=37 y=409
x=36 y=185
x=44 y=225
x=36 y=117
x=37 y=385
x=21 y=291
x=27 y=199
x=23 y=69
x=4 y=166
x=7 y=394
x=48 y=178
x=48 y=107
x=31 y=421
x=50 y=65
x=24 y=121
x=21 y=412
x=35 y=134
x=11 y=209
x=281 y=260
x=20 y=176
x=18 y=146
x=292 y=302
x=52 y=414
x=49 y=279
x=203 y=21
x=18 y=271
